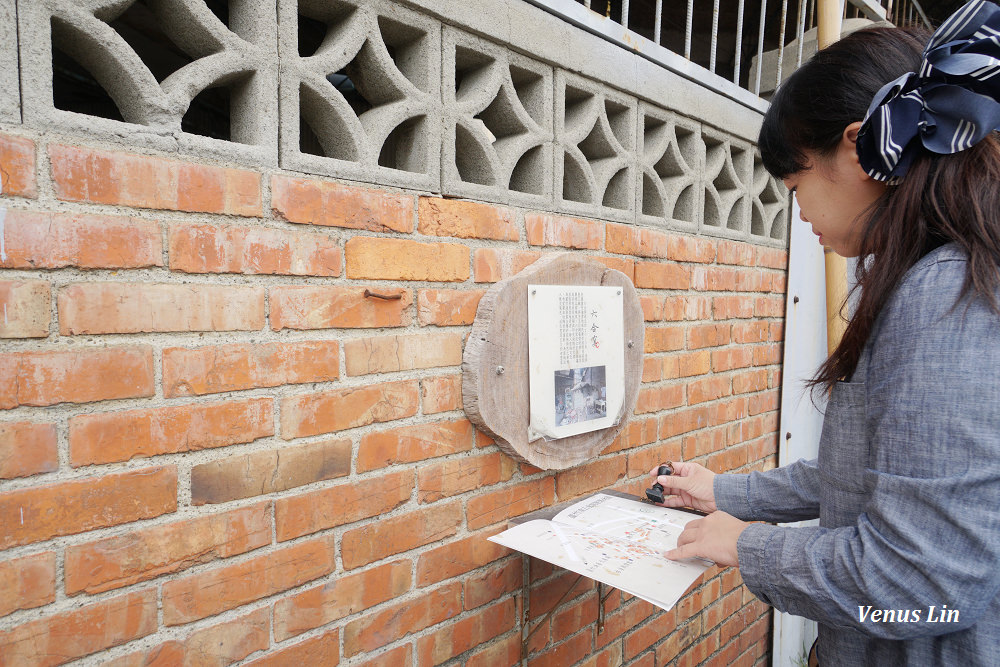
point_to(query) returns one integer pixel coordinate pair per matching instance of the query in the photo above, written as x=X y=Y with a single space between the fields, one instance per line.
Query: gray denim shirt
x=906 y=487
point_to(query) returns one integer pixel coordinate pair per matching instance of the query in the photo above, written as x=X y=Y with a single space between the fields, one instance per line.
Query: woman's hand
x=691 y=485
x=713 y=537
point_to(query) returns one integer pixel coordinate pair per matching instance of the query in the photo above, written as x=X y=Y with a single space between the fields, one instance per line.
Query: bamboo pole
x=828 y=13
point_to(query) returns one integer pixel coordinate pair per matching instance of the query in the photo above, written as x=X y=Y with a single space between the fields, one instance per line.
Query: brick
x=466 y=219
x=26 y=306
x=78 y=375
x=766 y=354
x=492 y=264
x=139 y=555
x=315 y=202
x=376 y=630
x=693 y=363
x=219 y=368
x=652 y=308
x=626 y=617
x=730 y=307
x=329 y=411
x=441 y=394
x=459 y=557
x=777 y=331
x=338 y=505
x=27 y=448
x=97 y=308
x=688 y=249
x=453 y=640
x=65 y=508
x=17 y=166
x=708 y=335
x=708 y=389
x=553 y=230
x=750 y=381
x=630 y=240
x=119 y=436
x=504 y=653
x=445 y=308
x=654 y=399
x=568 y=652
x=570 y=619
x=599 y=474
x=53 y=640
x=662 y=276
x=638 y=432
x=735 y=252
x=458 y=475
x=384 y=354
x=399 y=259
x=409 y=444
x=252 y=250
x=731 y=358
x=652 y=369
x=751 y=332
x=328 y=307
x=769 y=306
x=48 y=240
x=705 y=442
x=510 y=501
x=492 y=584
x=106 y=177
x=626 y=266
x=387 y=537
x=341 y=596
x=271 y=471
x=664 y=339
x=401 y=656
x=214 y=591
x=648 y=634
x=27 y=582
x=221 y=644
x=772 y=258
x=321 y=650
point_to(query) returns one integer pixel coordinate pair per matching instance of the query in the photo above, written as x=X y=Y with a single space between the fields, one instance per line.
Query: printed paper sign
x=576 y=359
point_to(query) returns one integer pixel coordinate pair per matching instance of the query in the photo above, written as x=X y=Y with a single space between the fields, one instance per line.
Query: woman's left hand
x=713 y=537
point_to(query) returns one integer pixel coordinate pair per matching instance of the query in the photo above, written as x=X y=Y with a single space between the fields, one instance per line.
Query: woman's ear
x=848 y=149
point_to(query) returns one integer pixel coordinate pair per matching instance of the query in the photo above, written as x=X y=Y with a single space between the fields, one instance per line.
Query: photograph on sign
x=576 y=359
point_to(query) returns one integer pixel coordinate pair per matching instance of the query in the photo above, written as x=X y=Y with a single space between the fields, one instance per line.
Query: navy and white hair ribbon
x=950 y=104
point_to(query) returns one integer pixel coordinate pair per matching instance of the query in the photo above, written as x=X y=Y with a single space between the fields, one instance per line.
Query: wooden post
x=828 y=17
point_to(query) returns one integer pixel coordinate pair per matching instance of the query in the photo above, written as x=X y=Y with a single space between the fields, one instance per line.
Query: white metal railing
x=736 y=47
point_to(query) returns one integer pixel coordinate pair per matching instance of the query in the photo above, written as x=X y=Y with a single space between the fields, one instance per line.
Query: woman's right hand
x=691 y=485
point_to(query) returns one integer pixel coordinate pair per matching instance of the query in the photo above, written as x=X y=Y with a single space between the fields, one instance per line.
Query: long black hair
x=942 y=198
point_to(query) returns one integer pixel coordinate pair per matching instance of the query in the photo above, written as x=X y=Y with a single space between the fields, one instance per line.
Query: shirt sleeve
x=930 y=533
x=788 y=493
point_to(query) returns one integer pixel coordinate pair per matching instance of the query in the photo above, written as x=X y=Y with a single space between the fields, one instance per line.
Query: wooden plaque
x=495 y=362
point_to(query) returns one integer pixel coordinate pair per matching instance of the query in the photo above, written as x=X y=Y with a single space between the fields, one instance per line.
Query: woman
x=893 y=157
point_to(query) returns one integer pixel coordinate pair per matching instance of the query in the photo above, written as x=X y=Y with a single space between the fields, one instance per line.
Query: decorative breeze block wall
x=377 y=92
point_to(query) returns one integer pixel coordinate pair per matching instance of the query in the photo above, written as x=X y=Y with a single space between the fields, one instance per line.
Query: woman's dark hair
x=942 y=198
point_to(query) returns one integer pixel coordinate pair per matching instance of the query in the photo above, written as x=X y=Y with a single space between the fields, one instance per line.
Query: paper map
x=617 y=541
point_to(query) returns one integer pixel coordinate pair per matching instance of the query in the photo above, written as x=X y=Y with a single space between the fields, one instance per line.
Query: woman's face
x=834 y=195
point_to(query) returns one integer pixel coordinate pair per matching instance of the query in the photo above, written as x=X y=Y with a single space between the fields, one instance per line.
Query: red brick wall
x=215 y=449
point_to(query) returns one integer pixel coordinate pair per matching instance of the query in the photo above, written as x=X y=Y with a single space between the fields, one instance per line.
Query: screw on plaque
x=655 y=494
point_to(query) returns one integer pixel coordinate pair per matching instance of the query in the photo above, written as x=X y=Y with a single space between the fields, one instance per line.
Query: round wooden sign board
x=495 y=362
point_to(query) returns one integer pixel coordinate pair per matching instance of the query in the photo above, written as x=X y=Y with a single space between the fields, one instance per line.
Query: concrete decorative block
x=152 y=84
x=596 y=158
x=498 y=123
x=10 y=94
x=672 y=159
x=770 y=213
x=727 y=177
x=360 y=91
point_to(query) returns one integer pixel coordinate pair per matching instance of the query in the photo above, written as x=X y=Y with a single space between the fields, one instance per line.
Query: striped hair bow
x=950 y=104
